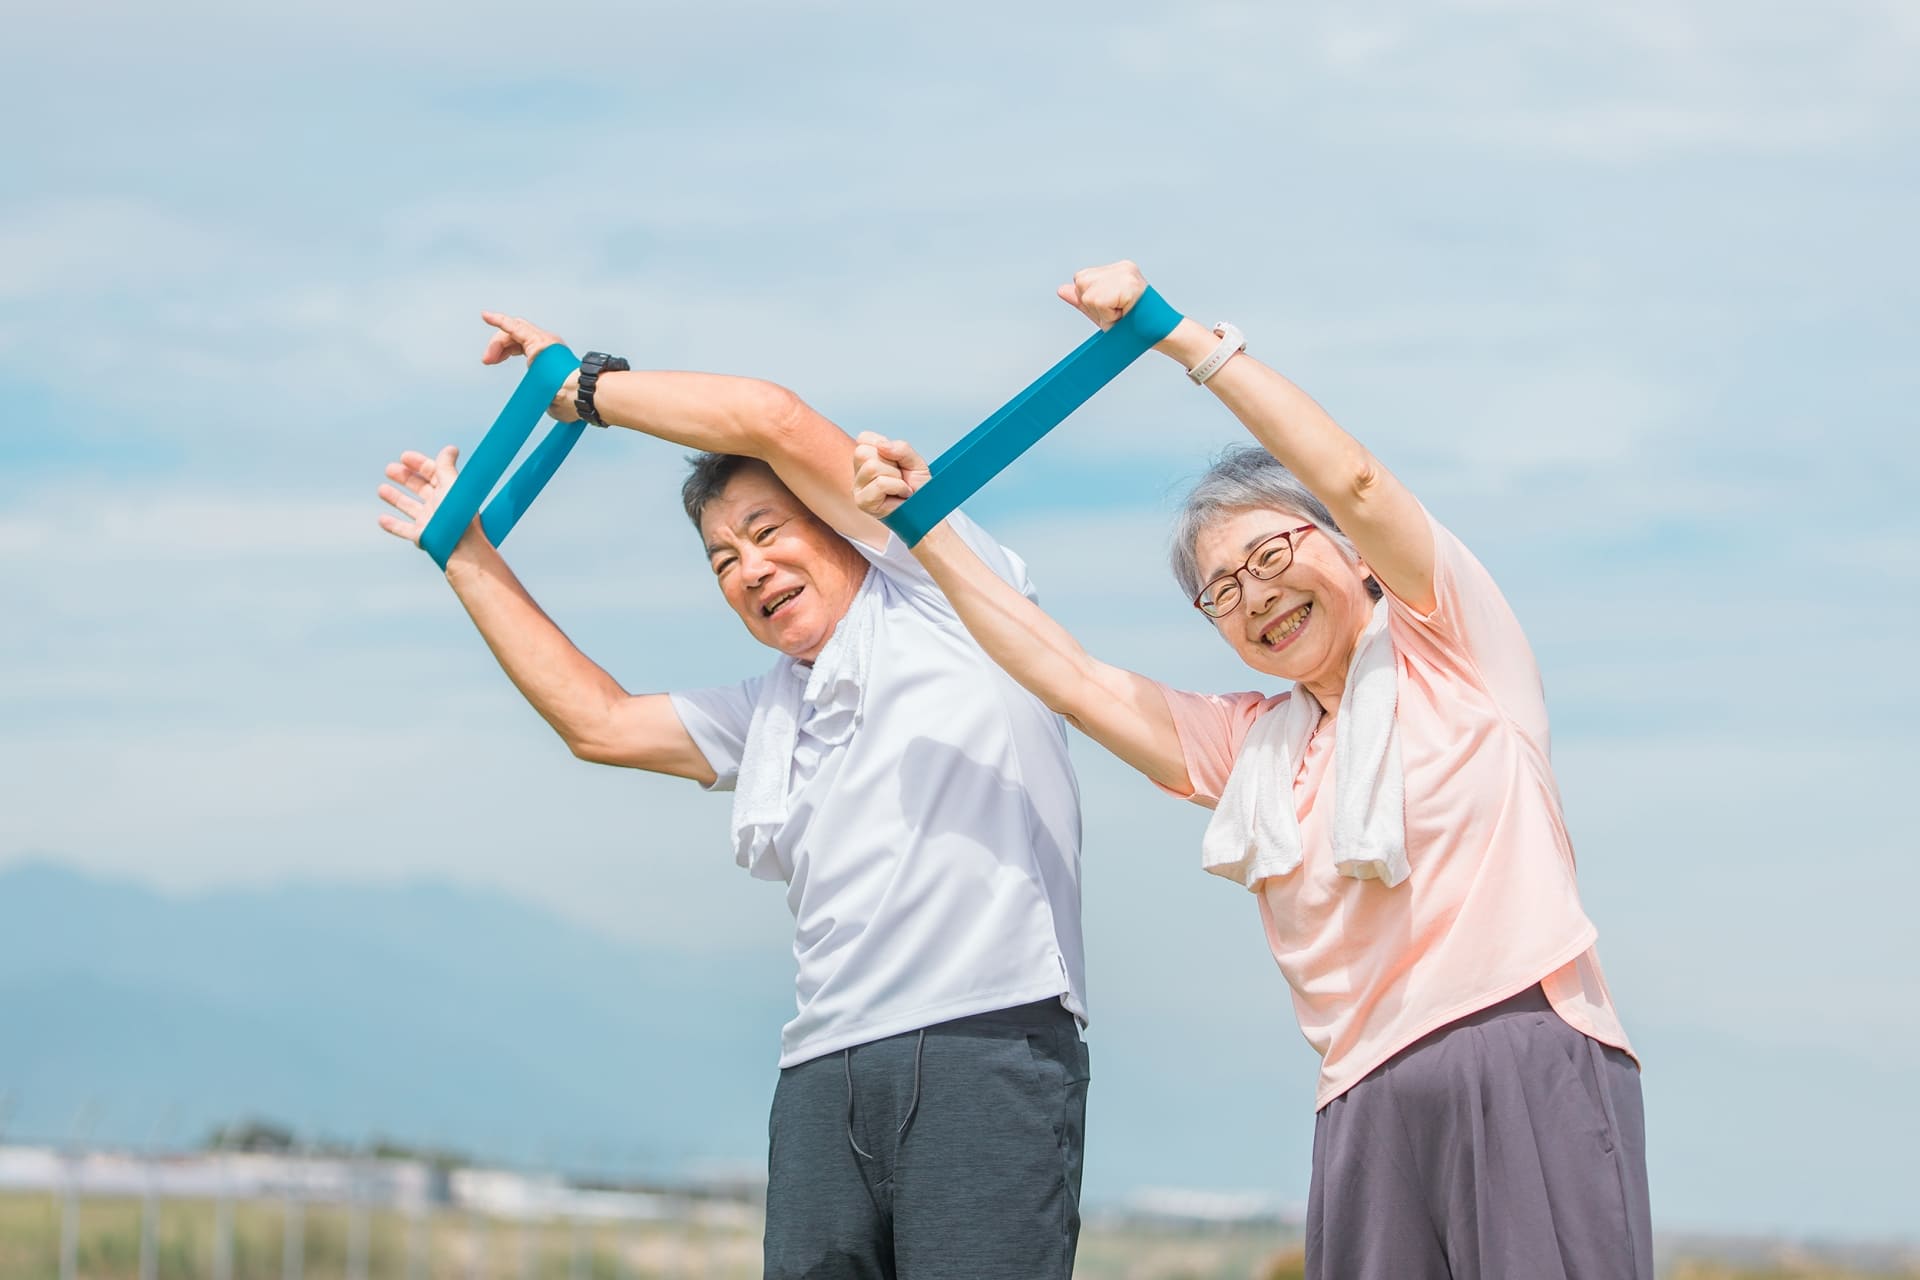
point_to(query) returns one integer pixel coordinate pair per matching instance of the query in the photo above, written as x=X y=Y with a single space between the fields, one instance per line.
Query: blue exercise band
x=545 y=375
x=1018 y=424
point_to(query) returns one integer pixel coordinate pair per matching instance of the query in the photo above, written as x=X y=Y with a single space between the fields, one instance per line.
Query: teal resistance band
x=545 y=374
x=1017 y=425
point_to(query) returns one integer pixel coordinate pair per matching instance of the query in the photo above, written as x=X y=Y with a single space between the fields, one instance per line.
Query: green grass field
x=449 y=1246
x=456 y=1246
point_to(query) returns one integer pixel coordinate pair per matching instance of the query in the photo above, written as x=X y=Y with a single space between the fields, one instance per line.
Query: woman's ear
x=1374 y=589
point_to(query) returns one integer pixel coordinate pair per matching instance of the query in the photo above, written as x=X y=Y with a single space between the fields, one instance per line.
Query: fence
x=102 y=1215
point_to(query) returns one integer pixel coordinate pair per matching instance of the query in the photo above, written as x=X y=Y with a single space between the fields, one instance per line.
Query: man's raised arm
x=594 y=716
x=715 y=413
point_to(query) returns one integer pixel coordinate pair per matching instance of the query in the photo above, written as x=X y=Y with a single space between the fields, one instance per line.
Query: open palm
x=418 y=483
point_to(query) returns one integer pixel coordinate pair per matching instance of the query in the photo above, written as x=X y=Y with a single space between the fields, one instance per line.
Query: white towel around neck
x=834 y=688
x=1255 y=831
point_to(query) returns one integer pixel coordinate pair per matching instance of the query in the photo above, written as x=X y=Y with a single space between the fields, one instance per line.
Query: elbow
x=771 y=419
x=1364 y=482
x=593 y=747
x=1075 y=694
x=588 y=749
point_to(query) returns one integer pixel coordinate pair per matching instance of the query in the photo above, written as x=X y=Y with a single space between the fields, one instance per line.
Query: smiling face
x=1301 y=625
x=786 y=573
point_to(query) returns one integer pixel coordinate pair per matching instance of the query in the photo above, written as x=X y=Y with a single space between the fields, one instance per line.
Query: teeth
x=1288 y=625
x=766 y=610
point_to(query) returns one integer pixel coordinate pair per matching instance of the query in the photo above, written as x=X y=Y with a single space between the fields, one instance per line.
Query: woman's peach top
x=1491 y=906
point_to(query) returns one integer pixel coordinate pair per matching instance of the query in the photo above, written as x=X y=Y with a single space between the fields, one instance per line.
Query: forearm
x=1293 y=427
x=1379 y=514
x=712 y=412
x=751 y=418
x=1015 y=632
x=569 y=690
x=1124 y=712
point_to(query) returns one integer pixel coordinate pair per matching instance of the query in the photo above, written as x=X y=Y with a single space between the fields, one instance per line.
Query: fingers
x=407 y=478
x=868 y=464
x=882 y=494
x=885 y=473
x=503 y=344
x=415 y=492
x=1078 y=294
x=400 y=528
x=442 y=468
x=516 y=336
x=866 y=456
x=1104 y=294
x=895 y=453
x=878 y=494
x=902 y=455
x=410 y=507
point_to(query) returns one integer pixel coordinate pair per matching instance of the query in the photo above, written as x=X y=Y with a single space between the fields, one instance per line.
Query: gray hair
x=708 y=479
x=1246 y=478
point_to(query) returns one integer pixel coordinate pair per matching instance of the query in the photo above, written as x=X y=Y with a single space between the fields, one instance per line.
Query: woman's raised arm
x=1121 y=710
x=1380 y=515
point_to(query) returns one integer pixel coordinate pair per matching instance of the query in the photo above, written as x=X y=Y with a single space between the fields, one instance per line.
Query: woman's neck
x=1327 y=692
x=1330 y=684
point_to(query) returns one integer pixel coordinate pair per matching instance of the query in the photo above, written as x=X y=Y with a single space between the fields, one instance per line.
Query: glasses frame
x=1246 y=567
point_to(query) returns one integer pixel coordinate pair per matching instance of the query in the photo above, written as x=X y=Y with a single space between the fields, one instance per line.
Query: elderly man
x=918 y=804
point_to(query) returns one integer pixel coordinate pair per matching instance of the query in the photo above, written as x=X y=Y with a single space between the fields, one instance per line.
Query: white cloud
x=1629 y=131
x=69 y=246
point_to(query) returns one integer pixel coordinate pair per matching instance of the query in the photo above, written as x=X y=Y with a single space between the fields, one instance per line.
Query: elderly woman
x=1394 y=814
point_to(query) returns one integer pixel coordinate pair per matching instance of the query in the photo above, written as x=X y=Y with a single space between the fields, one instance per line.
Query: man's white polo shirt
x=932 y=859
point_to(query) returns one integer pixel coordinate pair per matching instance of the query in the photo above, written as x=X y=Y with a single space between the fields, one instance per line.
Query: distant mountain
x=447 y=1016
x=423 y=1012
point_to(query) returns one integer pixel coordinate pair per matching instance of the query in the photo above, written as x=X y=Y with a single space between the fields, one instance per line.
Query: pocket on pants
x=1575 y=1087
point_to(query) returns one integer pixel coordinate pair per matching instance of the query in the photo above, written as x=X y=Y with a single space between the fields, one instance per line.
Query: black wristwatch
x=592 y=365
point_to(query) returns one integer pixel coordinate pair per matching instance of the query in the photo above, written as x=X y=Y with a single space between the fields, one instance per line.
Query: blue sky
x=1625 y=292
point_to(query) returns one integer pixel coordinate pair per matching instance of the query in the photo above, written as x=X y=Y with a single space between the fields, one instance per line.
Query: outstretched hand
x=421 y=483
x=1104 y=294
x=885 y=473
x=516 y=337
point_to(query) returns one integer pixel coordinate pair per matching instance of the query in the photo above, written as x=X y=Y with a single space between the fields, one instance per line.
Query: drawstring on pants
x=846 y=1060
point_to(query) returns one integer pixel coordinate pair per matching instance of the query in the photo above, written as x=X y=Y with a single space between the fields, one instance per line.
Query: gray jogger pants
x=1504 y=1146
x=950 y=1152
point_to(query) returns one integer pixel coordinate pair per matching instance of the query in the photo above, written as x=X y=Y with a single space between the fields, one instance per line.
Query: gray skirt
x=1504 y=1146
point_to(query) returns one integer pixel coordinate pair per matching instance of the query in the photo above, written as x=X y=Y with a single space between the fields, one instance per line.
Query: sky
x=1626 y=293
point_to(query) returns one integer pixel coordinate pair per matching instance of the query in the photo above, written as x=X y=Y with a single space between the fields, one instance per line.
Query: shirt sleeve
x=1212 y=726
x=717 y=720
x=897 y=562
x=1473 y=631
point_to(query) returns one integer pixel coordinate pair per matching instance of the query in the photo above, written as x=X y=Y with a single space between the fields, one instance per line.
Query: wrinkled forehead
x=751 y=494
x=1222 y=544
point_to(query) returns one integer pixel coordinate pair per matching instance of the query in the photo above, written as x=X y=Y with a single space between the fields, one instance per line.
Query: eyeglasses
x=1269 y=560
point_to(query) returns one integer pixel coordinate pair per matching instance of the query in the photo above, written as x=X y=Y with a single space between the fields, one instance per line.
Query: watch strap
x=1232 y=343
x=592 y=365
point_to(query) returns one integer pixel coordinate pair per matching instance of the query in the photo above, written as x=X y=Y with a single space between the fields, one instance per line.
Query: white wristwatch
x=1232 y=343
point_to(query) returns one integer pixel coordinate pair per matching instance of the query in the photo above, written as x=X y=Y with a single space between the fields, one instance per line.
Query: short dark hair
x=709 y=478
